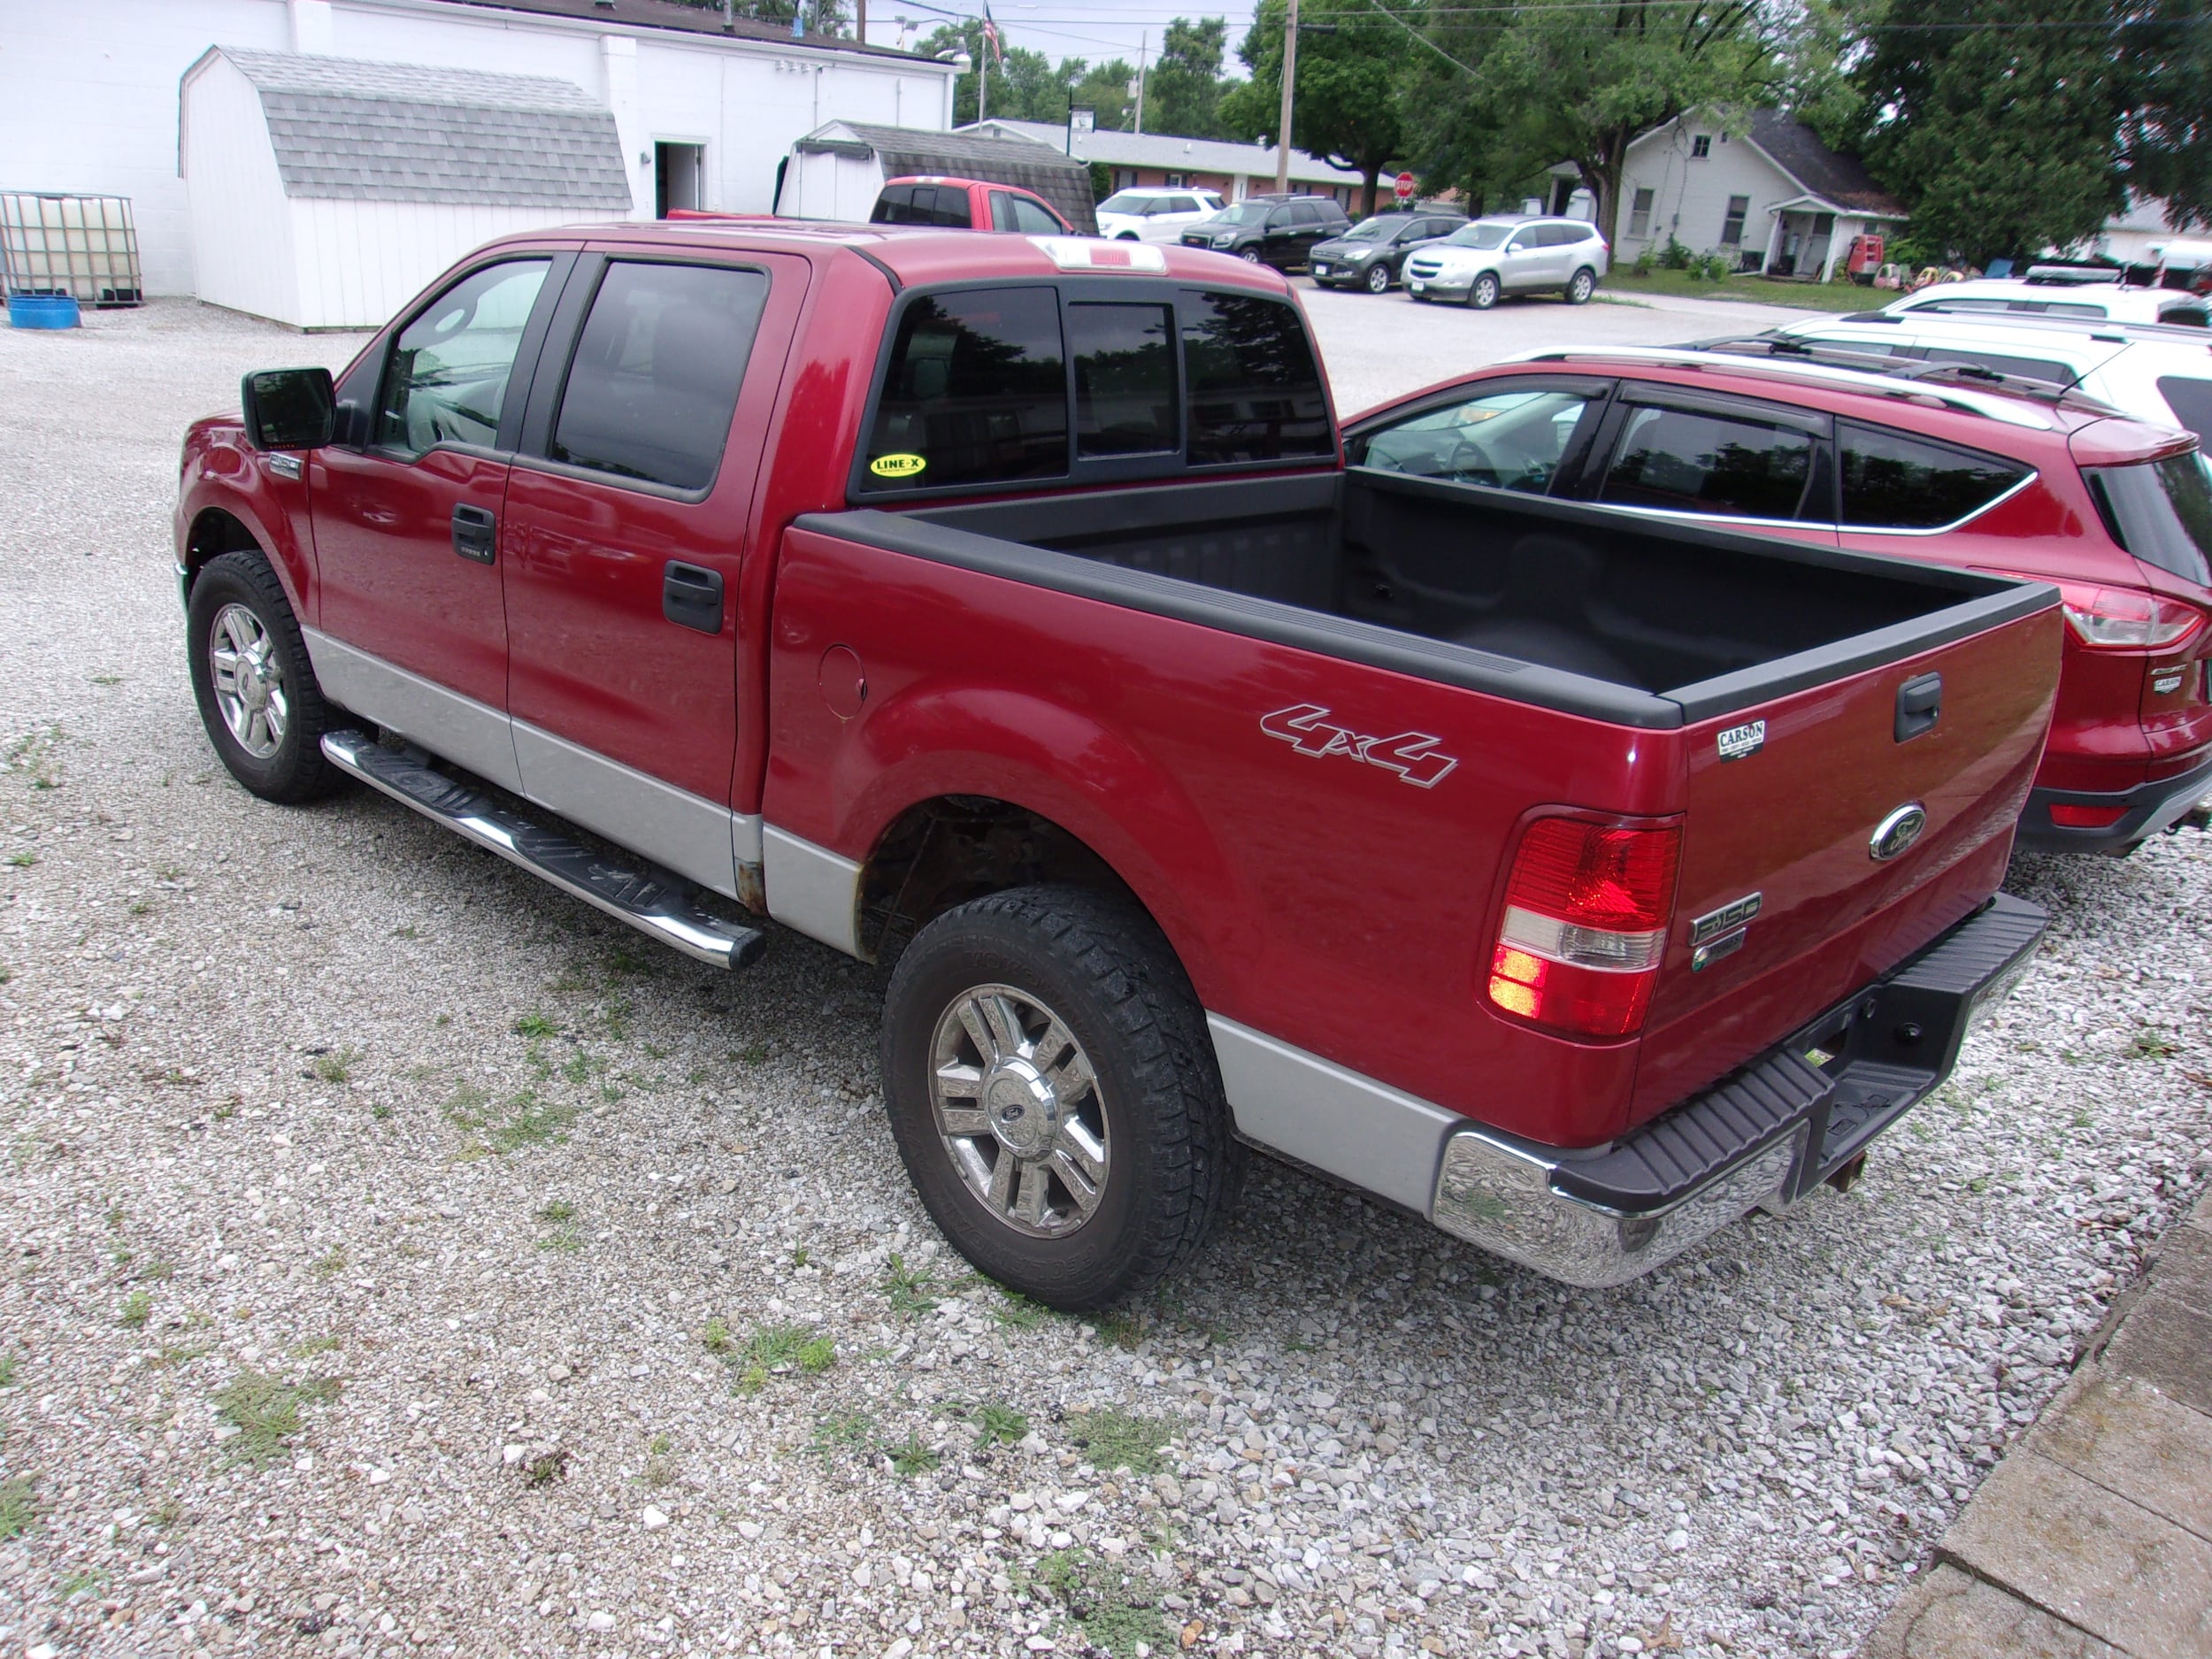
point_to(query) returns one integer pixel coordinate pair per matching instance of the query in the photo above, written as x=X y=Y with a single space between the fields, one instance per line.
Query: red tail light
x=2126 y=618
x=1586 y=912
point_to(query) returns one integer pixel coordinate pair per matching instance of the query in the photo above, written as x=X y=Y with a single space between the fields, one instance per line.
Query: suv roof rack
x=2107 y=328
x=1848 y=370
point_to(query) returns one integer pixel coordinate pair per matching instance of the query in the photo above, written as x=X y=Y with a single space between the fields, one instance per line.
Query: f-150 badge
x=1412 y=755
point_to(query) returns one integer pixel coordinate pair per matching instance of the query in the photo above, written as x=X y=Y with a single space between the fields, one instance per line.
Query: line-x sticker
x=1412 y=755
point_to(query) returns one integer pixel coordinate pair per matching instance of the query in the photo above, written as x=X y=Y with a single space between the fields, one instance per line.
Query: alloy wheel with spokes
x=250 y=689
x=1018 y=1109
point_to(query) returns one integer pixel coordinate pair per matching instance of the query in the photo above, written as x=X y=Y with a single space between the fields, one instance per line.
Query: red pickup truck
x=1000 y=609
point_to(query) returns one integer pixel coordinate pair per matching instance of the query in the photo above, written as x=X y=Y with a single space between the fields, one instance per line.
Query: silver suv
x=1488 y=258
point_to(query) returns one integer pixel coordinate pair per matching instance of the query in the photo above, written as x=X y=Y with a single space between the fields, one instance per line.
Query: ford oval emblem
x=1900 y=830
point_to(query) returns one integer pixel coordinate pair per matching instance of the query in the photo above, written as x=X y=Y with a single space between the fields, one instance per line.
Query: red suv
x=1942 y=463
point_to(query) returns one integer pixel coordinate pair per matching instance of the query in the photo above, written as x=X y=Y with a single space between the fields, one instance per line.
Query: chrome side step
x=652 y=902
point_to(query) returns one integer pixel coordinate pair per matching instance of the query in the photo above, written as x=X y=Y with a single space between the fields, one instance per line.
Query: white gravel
x=326 y=1096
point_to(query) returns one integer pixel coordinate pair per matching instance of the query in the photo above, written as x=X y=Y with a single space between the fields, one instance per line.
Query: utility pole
x=1144 y=44
x=983 y=86
x=1290 y=76
x=860 y=20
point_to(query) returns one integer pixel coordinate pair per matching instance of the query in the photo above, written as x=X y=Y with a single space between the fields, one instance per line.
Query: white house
x=703 y=113
x=1236 y=170
x=1772 y=198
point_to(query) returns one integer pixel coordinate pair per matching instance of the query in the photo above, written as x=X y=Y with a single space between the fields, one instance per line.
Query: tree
x=2166 y=141
x=1026 y=86
x=1563 y=81
x=1344 y=101
x=2005 y=136
x=1182 y=92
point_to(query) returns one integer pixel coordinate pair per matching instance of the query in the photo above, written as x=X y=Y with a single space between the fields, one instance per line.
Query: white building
x=1213 y=164
x=1773 y=198
x=703 y=116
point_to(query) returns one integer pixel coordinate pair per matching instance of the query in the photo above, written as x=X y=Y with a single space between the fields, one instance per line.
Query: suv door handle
x=691 y=597
x=475 y=532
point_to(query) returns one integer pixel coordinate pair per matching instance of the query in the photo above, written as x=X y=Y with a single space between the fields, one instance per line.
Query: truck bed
x=1631 y=622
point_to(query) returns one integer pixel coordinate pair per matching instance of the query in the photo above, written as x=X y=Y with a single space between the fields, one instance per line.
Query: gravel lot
x=401 y=1257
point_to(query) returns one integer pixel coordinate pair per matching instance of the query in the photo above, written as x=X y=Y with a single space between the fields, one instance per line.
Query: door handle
x=691 y=597
x=475 y=532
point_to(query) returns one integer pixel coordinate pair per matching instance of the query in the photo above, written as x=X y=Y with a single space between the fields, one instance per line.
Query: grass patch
x=1114 y=1609
x=2151 y=1045
x=1017 y=1312
x=179 y=1354
x=337 y=1065
x=18 y=1509
x=1623 y=283
x=840 y=1432
x=773 y=1349
x=311 y=1346
x=85 y=1578
x=909 y=1456
x=1113 y=1439
x=137 y=1308
x=1000 y=1423
x=7 y=1370
x=265 y=1411
x=753 y=1053
x=330 y=1264
x=464 y=1109
x=545 y=1469
x=536 y=1024
x=559 y=1210
x=562 y=1241
x=23 y=860
x=907 y=1290
x=535 y=1123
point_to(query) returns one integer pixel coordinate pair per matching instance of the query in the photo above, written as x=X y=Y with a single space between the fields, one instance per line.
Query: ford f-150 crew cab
x=999 y=610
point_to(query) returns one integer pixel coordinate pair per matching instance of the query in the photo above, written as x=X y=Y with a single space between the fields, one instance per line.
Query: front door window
x=447 y=382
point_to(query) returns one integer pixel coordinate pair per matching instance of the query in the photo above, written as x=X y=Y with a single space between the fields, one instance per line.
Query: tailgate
x=1784 y=904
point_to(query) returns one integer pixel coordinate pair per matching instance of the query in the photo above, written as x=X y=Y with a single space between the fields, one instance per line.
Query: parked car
x=2158 y=375
x=2027 y=297
x=1373 y=252
x=999 y=610
x=1271 y=230
x=1846 y=452
x=1148 y=214
x=1481 y=262
x=967 y=204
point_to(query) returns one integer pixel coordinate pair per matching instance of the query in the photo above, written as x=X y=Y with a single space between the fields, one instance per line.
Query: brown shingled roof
x=1795 y=148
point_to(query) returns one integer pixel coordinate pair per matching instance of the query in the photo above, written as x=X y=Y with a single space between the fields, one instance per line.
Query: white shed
x=325 y=191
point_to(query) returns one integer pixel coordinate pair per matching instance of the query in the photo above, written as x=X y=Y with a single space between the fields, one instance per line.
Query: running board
x=654 y=904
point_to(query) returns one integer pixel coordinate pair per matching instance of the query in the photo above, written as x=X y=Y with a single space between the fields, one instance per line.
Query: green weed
x=907 y=1290
x=465 y=1108
x=562 y=1240
x=330 y=1264
x=1000 y=1423
x=137 y=1308
x=337 y=1066
x=535 y=1123
x=753 y=1053
x=1113 y=1439
x=536 y=1024
x=840 y=1431
x=7 y=1370
x=265 y=1411
x=85 y=1578
x=909 y=1456
x=771 y=1349
x=311 y=1346
x=1115 y=1609
x=545 y=1469
x=2151 y=1045
x=23 y=860
x=18 y=1509
x=559 y=1210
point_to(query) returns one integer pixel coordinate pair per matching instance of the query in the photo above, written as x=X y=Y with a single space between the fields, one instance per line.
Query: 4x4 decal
x=1411 y=755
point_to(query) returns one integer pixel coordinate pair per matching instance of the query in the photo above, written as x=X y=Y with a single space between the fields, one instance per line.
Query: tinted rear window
x=2002 y=362
x=1891 y=481
x=2161 y=512
x=1687 y=461
x=977 y=392
x=1255 y=389
x=923 y=204
x=1124 y=378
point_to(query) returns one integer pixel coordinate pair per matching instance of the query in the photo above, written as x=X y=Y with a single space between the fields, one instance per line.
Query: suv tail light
x=2126 y=618
x=1586 y=913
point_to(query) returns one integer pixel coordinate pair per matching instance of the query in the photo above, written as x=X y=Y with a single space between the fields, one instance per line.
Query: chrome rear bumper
x=1796 y=1117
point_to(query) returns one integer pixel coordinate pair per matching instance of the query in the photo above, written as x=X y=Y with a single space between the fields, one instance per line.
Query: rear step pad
x=657 y=904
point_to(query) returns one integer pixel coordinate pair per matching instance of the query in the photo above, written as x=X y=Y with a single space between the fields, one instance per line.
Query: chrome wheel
x=1018 y=1110
x=248 y=684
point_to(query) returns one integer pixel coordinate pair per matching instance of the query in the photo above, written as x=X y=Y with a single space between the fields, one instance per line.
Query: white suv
x=1488 y=258
x=1155 y=213
x=2087 y=302
x=2162 y=375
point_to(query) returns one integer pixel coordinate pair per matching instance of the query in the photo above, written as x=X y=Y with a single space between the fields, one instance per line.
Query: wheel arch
x=228 y=525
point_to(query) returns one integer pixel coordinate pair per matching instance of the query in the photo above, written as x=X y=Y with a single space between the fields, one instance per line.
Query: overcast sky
x=1092 y=29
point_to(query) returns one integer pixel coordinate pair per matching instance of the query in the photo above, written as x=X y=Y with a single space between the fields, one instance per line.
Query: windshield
x=2161 y=512
x=1480 y=235
x=1245 y=213
x=1131 y=202
x=1372 y=230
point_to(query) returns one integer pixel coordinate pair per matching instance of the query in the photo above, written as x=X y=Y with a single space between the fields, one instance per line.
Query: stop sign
x=1403 y=185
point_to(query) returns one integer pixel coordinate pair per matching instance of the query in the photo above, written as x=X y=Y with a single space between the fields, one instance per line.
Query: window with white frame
x=1731 y=229
x=1640 y=213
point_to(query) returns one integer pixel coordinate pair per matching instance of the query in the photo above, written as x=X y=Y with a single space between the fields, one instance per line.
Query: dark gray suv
x=1372 y=252
x=1272 y=230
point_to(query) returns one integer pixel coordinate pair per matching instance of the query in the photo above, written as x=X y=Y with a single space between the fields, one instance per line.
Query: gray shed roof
x=1171 y=154
x=904 y=150
x=348 y=128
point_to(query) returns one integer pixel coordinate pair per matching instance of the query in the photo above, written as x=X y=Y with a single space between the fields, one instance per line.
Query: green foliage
x=1183 y=89
x=909 y=1456
x=265 y=1411
x=1026 y=86
x=137 y=1308
x=1345 y=104
x=1113 y=1439
x=771 y=1349
x=19 y=1509
x=907 y=1290
x=1000 y=1423
x=1116 y=1609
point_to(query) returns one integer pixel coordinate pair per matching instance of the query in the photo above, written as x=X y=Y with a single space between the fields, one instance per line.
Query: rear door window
x=1255 y=391
x=1687 y=460
x=654 y=382
x=1894 y=482
x=977 y=392
x=2191 y=401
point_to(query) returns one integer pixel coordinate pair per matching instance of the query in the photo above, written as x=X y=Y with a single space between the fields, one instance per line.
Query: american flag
x=990 y=36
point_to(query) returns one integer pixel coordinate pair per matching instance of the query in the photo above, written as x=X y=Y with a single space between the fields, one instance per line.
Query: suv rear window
x=2160 y=511
x=1892 y=482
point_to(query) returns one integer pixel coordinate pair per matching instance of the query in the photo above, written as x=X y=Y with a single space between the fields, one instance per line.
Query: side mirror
x=288 y=409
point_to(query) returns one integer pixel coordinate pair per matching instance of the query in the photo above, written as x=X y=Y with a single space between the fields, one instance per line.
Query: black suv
x=1276 y=230
x=1372 y=253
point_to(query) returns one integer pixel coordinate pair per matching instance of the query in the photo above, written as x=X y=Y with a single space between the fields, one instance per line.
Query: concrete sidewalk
x=2093 y=1538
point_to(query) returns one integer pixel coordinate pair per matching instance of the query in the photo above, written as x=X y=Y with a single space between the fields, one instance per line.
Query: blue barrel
x=42 y=311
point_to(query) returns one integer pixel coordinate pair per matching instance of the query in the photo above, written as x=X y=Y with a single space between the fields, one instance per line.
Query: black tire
x=1379 y=278
x=1581 y=285
x=1250 y=256
x=1100 y=966
x=296 y=770
x=1482 y=294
